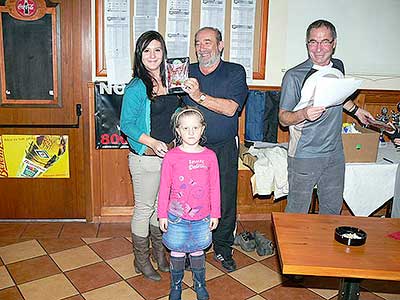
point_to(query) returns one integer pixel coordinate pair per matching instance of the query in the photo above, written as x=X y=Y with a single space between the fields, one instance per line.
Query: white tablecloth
x=368 y=186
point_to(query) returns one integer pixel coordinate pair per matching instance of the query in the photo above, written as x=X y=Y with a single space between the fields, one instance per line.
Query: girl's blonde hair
x=187 y=111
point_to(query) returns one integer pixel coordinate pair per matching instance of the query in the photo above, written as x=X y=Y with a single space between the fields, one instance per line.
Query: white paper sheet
x=213 y=14
x=242 y=35
x=117 y=41
x=143 y=24
x=145 y=18
x=329 y=92
x=146 y=8
x=334 y=91
x=177 y=35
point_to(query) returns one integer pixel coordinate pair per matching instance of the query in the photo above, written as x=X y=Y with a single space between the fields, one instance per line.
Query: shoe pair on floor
x=250 y=241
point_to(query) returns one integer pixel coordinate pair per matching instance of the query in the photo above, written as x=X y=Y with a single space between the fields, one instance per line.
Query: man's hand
x=312 y=113
x=363 y=116
x=392 y=131
x=192 y=87
x=213 y=223
x=163 y=224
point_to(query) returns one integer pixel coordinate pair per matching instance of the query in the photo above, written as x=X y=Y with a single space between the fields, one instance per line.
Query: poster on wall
x=34 y=156
x=177 y=34
x=108 y=101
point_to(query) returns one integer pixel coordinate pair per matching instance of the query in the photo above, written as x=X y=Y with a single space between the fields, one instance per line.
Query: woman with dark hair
x=145 y=118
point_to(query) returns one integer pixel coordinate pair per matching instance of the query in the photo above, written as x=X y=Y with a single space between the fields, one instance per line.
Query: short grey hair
x=319 y=24
x=217 y=32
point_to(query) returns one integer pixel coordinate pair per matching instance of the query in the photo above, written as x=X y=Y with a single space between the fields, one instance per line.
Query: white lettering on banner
x=106 y=88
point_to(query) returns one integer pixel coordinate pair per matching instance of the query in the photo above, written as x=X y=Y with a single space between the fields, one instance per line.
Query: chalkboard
x=28 y=58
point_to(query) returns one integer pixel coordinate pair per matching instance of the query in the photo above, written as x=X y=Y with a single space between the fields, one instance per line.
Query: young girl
x=188 y=201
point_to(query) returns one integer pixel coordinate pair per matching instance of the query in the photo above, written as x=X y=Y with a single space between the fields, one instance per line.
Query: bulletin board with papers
x=120 y=22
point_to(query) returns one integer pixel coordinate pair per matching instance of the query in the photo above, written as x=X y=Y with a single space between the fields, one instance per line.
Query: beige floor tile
x=253 y=254
x=94 y=240
x=257 y=277
x=326 y=287
x=120 y=290
x=21 y=251
x=256 y=297
x=5 y=278
x=389 y=290
x=388 y=296
x=325 y=293
x=123 y=265
x=74 y=258
x=50 y=288
x=187 y=294
x=211 y=272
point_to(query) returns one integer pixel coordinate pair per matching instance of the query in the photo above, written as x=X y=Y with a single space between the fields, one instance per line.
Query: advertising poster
x=34 y=156
x=108 y=102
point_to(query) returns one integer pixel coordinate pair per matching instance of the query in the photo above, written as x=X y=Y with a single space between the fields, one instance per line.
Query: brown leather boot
x=142 y=262
x=158 y=249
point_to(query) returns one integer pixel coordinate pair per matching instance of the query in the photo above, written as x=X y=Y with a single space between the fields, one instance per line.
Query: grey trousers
x=145 y=172
x=396 y=197
x=326 y=173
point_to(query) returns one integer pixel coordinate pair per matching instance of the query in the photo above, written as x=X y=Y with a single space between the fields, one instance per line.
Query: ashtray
x=350 y=236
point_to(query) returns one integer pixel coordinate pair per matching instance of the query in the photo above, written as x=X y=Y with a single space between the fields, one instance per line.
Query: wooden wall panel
x=57 y=198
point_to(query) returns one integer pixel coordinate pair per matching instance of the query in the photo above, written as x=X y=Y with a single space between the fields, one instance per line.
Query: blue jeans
x=187 y=235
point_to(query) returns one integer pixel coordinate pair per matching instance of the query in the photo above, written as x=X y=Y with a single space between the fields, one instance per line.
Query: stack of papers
x=334 y=91
x=327 y=87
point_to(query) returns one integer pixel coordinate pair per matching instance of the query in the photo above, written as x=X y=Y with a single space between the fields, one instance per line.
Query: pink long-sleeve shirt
x=189 y=185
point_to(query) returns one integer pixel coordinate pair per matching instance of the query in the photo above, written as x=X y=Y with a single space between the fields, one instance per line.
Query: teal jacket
x=135 y=114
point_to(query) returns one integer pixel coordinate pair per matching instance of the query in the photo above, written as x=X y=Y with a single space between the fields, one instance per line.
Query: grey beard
x=214 y=59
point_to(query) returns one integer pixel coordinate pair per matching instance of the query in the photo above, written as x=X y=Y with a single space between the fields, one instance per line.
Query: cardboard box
x=361 y=147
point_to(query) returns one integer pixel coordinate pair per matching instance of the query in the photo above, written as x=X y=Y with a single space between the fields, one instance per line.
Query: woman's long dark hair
x=139 y=70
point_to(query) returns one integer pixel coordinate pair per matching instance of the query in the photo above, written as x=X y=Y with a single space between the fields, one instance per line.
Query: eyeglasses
x=324 y=43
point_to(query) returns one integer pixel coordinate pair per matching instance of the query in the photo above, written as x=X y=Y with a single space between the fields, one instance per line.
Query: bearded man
x=218 y=88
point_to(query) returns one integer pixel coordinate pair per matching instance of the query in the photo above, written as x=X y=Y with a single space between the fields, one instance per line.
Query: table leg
x=349 y=289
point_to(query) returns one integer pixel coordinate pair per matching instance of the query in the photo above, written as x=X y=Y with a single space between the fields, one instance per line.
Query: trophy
x=383 y=119
x=395 y=116
x=382 y=123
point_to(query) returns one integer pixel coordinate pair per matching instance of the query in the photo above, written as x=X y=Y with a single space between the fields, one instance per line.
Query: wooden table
x=307 y=246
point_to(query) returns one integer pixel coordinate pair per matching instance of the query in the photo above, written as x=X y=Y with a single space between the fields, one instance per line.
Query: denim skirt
x=187 y=235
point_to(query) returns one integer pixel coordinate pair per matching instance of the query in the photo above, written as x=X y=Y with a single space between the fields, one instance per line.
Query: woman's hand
x=159 y=148
x=213 y=223
x=163 y=224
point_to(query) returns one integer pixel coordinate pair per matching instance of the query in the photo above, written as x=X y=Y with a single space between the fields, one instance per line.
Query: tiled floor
x=54 y=261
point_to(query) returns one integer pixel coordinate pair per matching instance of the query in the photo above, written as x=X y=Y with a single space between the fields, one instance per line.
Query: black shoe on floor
x=228 y=264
